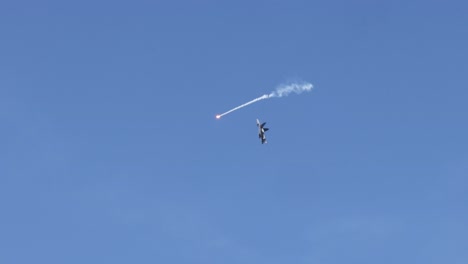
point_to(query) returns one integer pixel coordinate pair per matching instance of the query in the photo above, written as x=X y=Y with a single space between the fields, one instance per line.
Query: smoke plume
x=285 y=90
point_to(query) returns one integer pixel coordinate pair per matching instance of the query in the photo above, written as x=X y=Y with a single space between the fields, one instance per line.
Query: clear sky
x=110 y=151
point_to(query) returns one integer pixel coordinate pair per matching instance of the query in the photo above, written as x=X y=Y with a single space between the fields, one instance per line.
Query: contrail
x=282 y=90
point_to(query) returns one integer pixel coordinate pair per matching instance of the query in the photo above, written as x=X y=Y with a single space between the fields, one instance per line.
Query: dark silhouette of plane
x=261 y=131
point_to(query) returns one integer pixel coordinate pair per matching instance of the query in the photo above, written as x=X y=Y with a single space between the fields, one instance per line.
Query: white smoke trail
x=282 y=90
x=265 y=96
x=285 y=90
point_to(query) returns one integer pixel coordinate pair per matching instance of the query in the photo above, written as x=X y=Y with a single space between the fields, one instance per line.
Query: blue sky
x=111 y=152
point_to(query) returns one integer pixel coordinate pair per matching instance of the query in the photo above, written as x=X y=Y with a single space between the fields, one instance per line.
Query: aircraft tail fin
x=265 y=129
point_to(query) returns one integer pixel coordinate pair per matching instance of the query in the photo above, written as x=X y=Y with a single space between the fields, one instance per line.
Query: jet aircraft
x=261 y=131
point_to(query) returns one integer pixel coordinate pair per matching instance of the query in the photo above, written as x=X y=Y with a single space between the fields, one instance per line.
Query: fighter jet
x=261 y=131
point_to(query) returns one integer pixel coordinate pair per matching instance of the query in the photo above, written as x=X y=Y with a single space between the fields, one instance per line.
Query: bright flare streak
x=244 y=105
x=218 y=116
